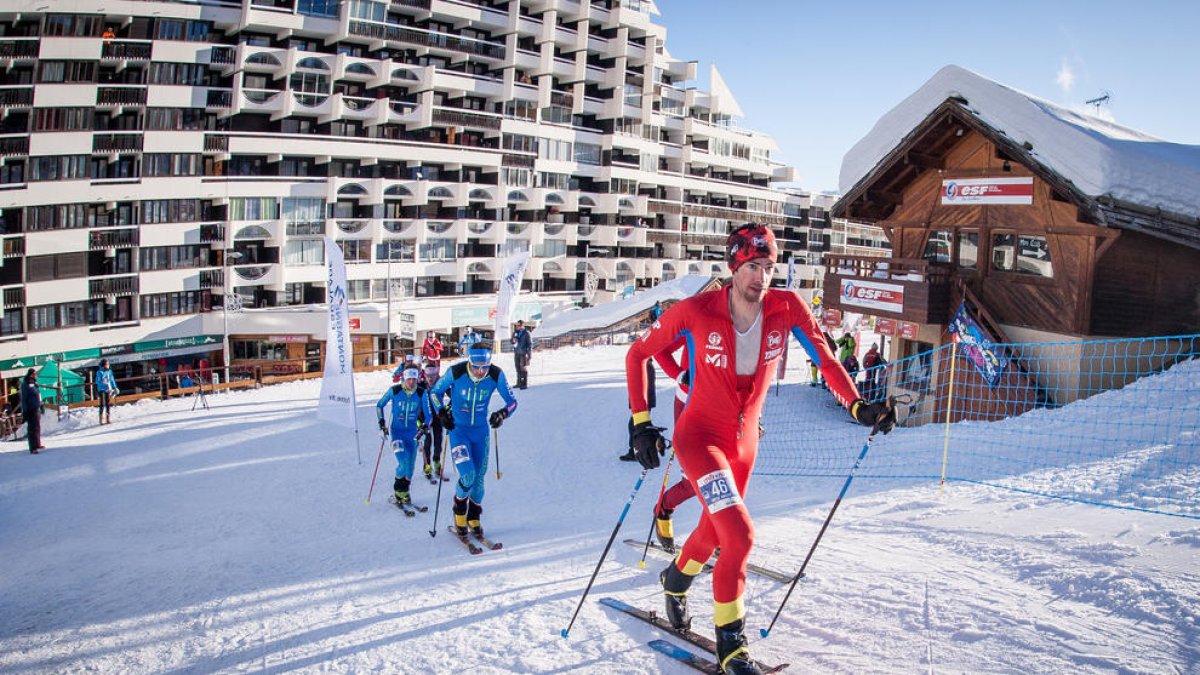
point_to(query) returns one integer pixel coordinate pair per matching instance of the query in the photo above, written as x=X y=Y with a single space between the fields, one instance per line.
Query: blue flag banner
x=977 y=347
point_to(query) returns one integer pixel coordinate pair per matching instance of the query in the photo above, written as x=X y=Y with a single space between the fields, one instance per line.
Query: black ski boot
x=675 y=587
x=400 y=490
x=460 y=515
x=474 y=511
x=732 y=653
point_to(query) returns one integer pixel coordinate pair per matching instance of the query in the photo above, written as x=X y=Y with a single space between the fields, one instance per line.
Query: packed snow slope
x=237 y=539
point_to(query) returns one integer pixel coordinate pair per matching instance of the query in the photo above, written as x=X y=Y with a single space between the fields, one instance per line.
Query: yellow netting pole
x=949 y=405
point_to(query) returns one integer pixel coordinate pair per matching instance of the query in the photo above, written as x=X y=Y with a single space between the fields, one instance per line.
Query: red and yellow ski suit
x=716 y=437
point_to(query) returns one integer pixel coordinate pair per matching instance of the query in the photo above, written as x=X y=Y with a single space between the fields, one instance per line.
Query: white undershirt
x=747 y=346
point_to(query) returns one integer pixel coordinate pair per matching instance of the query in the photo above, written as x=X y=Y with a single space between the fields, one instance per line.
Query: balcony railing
x=14 y=298
x=562 y=98
x=419 y=4
x=14 y=247
x=14 y=146
x=212 y=279
x=223 y=56
x=212 y=233
x=113 y=238
x=707 y=211
x=920 y=288
x=19 y=49
x=16 y=96
x=129 y=51
x=460 y=118
x=117 y=143
x=121 y=96
x=426 y=39
x=215 y=143
x=126 y=285
x=219 y=98
x=517 y=161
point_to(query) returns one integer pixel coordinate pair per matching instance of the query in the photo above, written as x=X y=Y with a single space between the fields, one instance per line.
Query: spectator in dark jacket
x=31 y=410
x=522 y=353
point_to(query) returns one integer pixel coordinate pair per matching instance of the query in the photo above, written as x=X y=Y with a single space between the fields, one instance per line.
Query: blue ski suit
x=406 y=407
x=469 y=438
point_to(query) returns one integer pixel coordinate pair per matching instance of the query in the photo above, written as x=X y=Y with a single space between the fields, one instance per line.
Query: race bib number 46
x=718 y=490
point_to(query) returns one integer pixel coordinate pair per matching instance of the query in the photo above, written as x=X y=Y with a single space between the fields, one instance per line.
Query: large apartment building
x=161 y=157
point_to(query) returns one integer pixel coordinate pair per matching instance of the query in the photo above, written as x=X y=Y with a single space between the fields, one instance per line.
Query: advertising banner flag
x=510 y=285
x=336 y=403
x=974 y=344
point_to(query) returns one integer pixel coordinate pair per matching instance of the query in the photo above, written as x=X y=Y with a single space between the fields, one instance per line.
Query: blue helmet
x=479 y=357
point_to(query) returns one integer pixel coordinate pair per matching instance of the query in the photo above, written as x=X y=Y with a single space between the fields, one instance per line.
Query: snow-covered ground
x=237 y=539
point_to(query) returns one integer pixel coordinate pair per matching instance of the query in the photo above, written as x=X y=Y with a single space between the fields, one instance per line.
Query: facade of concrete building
x=165 y=160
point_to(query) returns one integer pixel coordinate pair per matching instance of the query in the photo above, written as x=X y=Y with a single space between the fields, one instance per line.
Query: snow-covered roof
x=602 y=316
x=1100 y=158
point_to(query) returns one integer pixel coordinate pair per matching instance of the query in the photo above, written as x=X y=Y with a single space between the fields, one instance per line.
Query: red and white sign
x=908 y=330
x=885 y=326
x=355 y=323
x=873 y=295
x=831 y=318
x=288 y=338
x=972 y=191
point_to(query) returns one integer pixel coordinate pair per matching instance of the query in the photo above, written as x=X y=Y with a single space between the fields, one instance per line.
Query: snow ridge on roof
x=1099 y=157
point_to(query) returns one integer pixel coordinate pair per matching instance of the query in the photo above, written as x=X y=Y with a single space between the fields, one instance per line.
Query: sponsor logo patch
x=716 y=360
x=718 y=490
x=459 y=454
x=714 y=341
x=774 y=338
x=771 y=354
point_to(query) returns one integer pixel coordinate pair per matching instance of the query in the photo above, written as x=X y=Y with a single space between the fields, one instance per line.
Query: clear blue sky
x=818 y=75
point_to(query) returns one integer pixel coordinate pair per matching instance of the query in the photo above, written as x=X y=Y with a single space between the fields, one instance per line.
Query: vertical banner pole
x=949 y=406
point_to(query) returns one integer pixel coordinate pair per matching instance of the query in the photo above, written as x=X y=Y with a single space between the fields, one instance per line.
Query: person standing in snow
x=31 y=410
x=740 y=334
x=522 y=346
x=656 y=311
x=407 y=406
x=846 y=345
x=106 y=391
x=431 y=349
x=431 y=443
x=471 y=384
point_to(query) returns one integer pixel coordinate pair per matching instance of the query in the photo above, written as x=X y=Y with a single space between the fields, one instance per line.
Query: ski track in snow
x=237 y=540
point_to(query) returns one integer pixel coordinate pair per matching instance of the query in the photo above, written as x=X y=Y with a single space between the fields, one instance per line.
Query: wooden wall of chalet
x=1146 y=286
x=1061 y=304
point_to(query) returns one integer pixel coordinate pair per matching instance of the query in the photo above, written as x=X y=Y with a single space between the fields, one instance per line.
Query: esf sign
x=974 y=191
x=873 y=295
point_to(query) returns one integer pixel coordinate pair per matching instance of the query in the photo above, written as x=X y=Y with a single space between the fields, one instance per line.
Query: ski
x=409 y=508
x=705 y=643
x=488 y=544
x=695 y=660
x=759 y=570
x=475 y=550
x=685 y=657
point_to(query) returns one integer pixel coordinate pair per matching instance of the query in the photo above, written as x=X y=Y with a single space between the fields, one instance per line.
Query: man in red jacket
x=735 y=337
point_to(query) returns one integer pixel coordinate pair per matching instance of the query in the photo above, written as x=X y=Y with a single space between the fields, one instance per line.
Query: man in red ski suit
x=734 y=337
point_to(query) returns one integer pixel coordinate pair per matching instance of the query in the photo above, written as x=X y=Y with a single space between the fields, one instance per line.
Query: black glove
x=880 y=416
x=498 y=418
x=648 y=444
x=447 y=418
x=421 y=431
x=382 y=425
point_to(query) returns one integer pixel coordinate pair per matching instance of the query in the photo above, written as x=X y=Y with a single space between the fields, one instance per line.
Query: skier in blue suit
x=407 y=404
x=470 y=384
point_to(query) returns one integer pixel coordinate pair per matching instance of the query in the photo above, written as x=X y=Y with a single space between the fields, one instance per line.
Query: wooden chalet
x=977 y=213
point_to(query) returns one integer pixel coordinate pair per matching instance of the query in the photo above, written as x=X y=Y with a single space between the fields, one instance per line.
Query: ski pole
x=496 y=445
x=567 y=631
x=437 y=505
x=653 y=521
x=858 y=462
x=382 y=441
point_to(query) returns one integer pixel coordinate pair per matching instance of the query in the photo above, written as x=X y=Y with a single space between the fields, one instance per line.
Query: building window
x=50 y=267
x=258 y=350
x=166 y=164
x=1022 y=254
x=968 y=250
x=396 y=250
x=54 y=72
x=355 y=250
x=937 y=247
x=435 y=250
x=328 y=8
x=252 y=208
x=62 y=119
x=304 y=215
x=171 y=304
x=304 y=252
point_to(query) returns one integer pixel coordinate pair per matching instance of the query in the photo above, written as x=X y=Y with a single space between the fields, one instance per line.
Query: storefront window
x=968 y=250
x=937 y=248
x=1022 y=254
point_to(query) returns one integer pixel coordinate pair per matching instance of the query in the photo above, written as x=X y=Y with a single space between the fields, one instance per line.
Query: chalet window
x=937 y=247
x=968 y=250
x=1022 y=254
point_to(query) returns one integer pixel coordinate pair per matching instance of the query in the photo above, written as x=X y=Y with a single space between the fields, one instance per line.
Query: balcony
x=216 y=143
x=108 y=96
x=16 y=97
x=212 y=279
x=14 y=146
x=461 y=118
x=212 y=233
x=113 y=238
x=14 y=298
x=18 y=48
x=892 y=288
x=223 y=56
x=113 y=143
x=424 y=38
x=125 y=51
x=112 y=286
x=14 y=247
x=219 y=98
